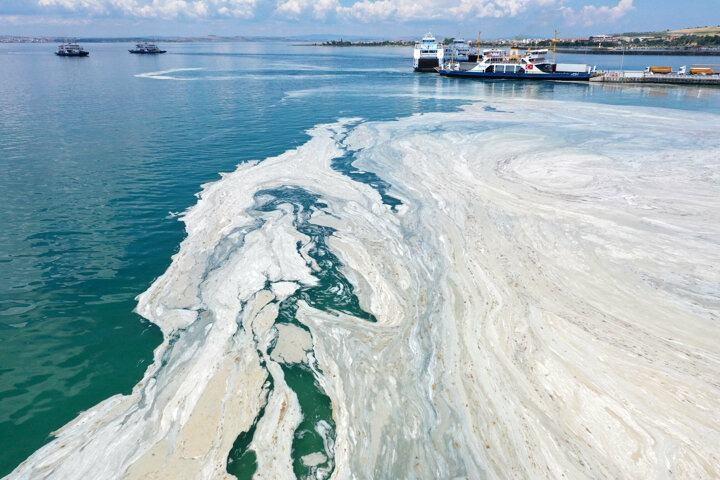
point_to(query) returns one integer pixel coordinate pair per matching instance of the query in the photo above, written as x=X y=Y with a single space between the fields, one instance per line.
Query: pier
x=667 y=79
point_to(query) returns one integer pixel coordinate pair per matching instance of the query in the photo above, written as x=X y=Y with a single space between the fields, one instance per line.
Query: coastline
x=685 y=52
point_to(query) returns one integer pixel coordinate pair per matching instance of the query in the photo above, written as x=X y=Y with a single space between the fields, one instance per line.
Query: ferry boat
x=427 y=55
x=146 y=48
x=499 y=64
x=458 y=51
x=71 y=50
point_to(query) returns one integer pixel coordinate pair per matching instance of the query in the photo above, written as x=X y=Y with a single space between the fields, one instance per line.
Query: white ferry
x=458 y=51
x=499 y=64
x=71 y=50
x=428 y=55
x=146 y=48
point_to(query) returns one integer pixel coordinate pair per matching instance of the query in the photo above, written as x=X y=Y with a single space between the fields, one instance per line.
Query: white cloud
x=408 y=10
x=74 y=5
x=367 y=10
x=296 y=8
x=26 y=20
x=159 y=8
x=498 y=8
x=591 y=14
x=357 y=10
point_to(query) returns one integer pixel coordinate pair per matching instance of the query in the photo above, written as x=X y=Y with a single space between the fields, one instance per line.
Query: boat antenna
x=555 y=41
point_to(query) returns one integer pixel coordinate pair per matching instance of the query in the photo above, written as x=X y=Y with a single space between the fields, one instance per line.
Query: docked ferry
x=533 y=65
x=427 y=55
x=457 y=51
x=146 y=48
x=71 y=50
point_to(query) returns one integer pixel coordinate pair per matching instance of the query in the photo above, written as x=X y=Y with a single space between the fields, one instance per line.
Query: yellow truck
x=658 y=70
x=698 y=70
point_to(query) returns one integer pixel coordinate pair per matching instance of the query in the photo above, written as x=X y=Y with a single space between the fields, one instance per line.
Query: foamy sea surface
x=395 y=276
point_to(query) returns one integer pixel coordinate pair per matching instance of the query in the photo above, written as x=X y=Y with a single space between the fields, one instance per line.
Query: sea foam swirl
x=530 y=291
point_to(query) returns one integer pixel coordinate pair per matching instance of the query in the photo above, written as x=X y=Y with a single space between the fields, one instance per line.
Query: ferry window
x=490 y=69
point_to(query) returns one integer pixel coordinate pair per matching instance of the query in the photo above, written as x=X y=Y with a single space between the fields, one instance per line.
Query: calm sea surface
x=98 y=155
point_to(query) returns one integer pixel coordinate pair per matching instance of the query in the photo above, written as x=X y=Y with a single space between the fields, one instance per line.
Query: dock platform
x=661 y=79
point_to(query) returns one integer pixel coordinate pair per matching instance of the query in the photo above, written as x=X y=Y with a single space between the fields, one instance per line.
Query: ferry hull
x=141 y=52
x=79 y=54
x=568 y=77
x=427 y=65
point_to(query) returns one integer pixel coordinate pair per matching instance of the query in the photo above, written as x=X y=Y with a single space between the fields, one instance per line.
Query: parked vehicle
x=658 y=70
x=697 y=70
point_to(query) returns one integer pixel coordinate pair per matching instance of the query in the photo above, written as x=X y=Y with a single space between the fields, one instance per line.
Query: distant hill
x=702 y=31
x=699 y=31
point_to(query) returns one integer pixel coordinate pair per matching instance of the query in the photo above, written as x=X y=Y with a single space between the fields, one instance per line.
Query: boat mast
x=554 y=47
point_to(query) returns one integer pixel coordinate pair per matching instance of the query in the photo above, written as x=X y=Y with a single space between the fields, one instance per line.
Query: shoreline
x=701 y=52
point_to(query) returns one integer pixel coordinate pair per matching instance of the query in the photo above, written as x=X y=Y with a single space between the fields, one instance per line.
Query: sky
x=370 y=18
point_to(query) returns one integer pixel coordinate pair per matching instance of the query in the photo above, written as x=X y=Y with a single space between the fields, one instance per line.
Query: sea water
x=99 y=156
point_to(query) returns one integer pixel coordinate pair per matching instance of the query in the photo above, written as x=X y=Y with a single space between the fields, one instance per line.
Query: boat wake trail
x=165 y=74
x=528 y=288
x=231 y=75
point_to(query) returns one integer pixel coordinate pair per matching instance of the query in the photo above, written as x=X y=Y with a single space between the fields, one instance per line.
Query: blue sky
x=376 y=18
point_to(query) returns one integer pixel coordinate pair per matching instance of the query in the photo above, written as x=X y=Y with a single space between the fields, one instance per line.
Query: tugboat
x=498 y=64
x=146 y=48
x=427 y=56
x=71 y=50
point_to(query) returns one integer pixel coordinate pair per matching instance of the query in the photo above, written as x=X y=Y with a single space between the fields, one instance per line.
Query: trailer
x=698 y=70
x=658 y=70
x=573 y=68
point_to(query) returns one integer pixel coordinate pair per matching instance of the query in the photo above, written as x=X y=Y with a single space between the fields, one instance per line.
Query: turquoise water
x=97 y=156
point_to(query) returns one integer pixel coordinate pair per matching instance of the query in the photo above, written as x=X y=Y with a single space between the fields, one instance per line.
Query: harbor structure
x=648 y=77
